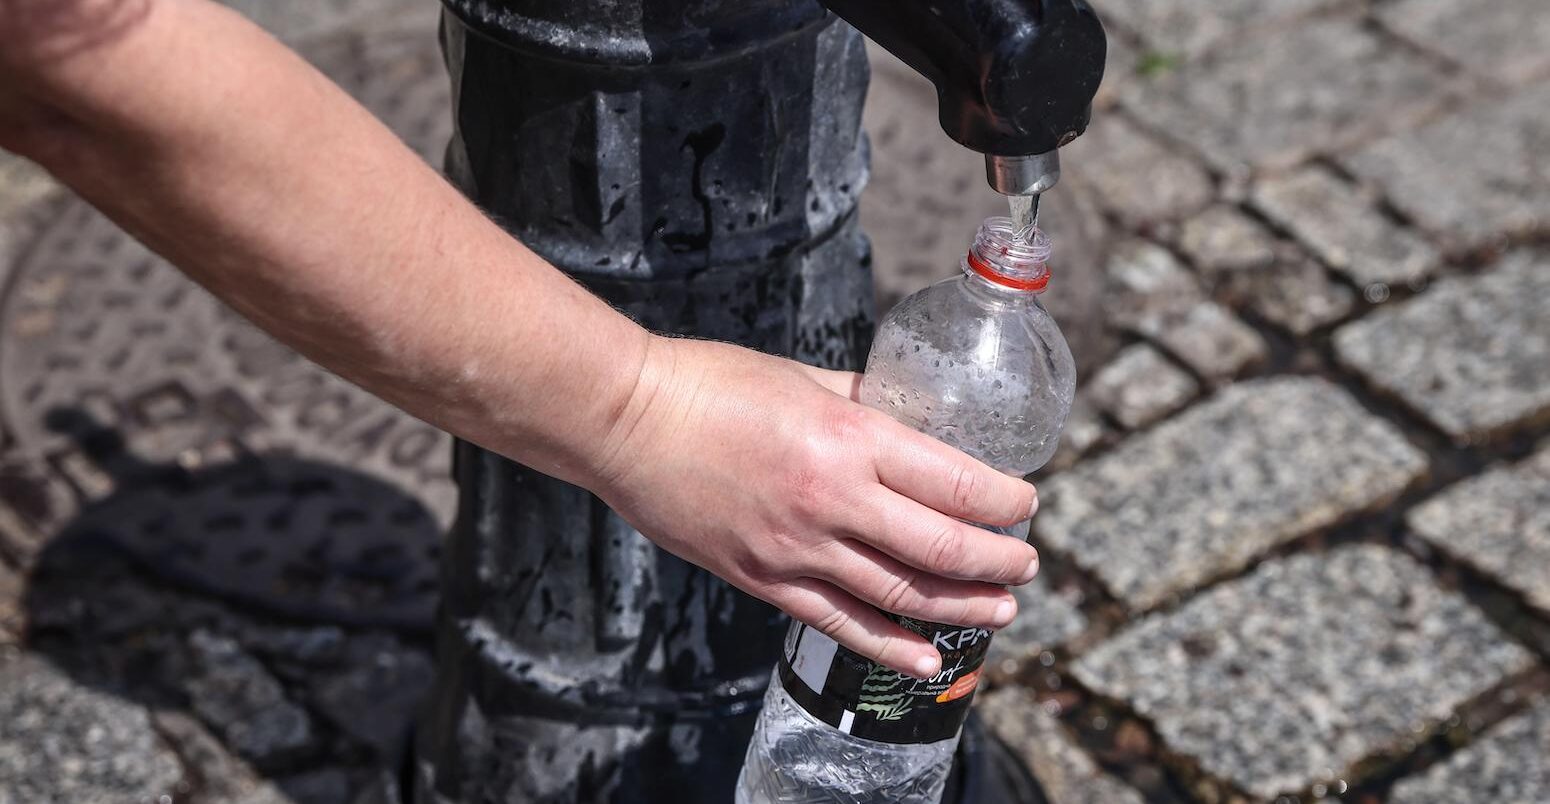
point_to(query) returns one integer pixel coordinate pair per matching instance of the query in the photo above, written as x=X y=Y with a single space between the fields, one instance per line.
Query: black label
x=863 y=698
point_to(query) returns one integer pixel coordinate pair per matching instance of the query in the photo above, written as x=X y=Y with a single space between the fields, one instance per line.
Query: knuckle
x=1008 y=509
x=756 y=567
x=947 y=550
x=833 y=623
x=969 y=613
x=899 y=591
x=808 y=489
x=783 y=551
x=966 y=487
x=847 y=423
x=814 y=472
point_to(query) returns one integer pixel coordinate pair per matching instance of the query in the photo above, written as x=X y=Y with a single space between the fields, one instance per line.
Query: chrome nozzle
x=1023 y=175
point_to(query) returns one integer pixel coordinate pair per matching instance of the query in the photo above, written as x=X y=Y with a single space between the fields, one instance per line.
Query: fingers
x=938 y=476
x=858 y=626
x=893 y=586
x=941 y=545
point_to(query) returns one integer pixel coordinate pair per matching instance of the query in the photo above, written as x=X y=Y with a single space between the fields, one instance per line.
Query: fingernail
x=927 y=666
x=1034 y=509
x=1032 y=571
x=1005 y=611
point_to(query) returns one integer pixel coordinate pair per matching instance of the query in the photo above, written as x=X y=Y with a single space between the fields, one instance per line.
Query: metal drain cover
x=291 y=487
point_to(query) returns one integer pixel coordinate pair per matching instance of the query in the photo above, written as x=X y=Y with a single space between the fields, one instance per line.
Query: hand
x=756 y=468
x=769 y=474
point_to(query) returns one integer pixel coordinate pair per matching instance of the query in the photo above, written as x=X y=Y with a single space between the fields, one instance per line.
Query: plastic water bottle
x=976 y=362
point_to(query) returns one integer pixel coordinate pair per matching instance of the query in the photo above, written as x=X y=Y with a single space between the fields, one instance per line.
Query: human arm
x=250 y=171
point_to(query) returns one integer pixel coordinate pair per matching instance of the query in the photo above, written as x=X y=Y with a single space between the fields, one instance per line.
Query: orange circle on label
x=960 y=688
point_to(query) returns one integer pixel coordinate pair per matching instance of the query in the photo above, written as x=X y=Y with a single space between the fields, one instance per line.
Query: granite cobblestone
x=1472 y=178
x=1141 y=386
x=1046 y=619
x=1345 y=230
x=1206 y=492
x=1501 y=40
x=1295 y=294
x=1085 y=429
x=1139 y=179
x=62 y=742
x=238 y=697
x=1507 y=765
x=1272 y=100
x=1309 y=667
x=1498 y=522
x=1298 y=673
x=1065 y=772
x=1245 y=264
x=1178 y=28
x=1470 y=354
x=1223 y=240
x=1210 y=340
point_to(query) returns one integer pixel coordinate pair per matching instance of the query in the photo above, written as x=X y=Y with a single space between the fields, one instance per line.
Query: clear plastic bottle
x=976 y=362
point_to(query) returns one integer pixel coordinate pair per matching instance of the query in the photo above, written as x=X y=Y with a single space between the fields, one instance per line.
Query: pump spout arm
x=1015 y=79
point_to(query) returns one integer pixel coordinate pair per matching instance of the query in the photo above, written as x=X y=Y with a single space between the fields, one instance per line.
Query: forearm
x=253 y=173
x=256 y=176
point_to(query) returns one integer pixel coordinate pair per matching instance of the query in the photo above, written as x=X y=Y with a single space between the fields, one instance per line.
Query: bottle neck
x=1006 y=262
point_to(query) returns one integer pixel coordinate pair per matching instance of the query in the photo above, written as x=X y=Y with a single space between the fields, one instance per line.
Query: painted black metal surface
x=1013 y=77
x=697 y=164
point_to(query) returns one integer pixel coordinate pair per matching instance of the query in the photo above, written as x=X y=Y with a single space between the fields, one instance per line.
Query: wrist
x=637 y=400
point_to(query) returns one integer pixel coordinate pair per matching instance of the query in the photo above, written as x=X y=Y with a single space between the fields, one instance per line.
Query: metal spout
x=1023 y=175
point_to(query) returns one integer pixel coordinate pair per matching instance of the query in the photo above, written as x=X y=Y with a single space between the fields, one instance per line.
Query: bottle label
x=863 y=698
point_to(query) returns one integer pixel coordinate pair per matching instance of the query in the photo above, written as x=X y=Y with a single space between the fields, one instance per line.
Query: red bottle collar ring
x=1039 y=282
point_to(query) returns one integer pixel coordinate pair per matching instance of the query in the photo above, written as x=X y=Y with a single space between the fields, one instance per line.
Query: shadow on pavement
x=272 y=613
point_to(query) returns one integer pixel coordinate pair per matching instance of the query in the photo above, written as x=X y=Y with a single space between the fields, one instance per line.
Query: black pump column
x=697 y=164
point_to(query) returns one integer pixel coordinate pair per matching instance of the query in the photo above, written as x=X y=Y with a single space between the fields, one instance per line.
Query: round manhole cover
x=340 y=500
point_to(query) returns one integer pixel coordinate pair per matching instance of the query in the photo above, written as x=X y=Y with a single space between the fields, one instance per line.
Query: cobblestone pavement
x=1295 y=540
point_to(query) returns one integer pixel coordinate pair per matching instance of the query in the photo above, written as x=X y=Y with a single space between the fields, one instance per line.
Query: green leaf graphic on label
x=879 y=697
